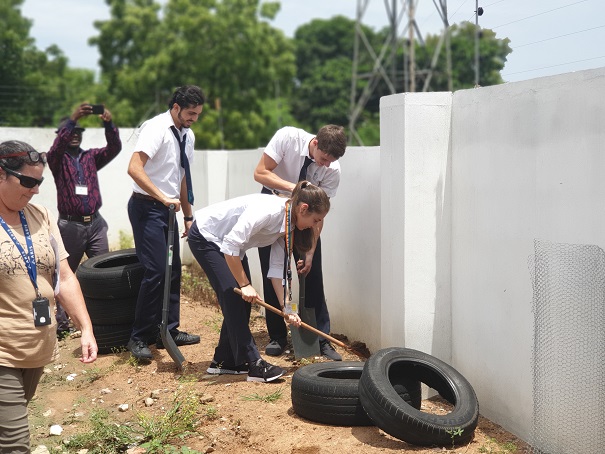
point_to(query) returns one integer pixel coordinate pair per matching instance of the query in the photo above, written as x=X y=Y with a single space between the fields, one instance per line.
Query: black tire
x=328 y=393
x=111 y=311
x=114 y=275
x=399 y=419
x=112 y=338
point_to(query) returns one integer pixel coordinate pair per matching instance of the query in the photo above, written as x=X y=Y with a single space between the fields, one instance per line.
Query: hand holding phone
x=97 y=109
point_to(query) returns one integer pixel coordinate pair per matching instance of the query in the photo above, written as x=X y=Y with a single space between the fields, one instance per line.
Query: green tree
x=226 y=47
x=36 y=87
x=492 y=51
x=324 y=53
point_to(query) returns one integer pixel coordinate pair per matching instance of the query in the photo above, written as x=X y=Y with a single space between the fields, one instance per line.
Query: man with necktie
x=160 y=168
x=293 y=155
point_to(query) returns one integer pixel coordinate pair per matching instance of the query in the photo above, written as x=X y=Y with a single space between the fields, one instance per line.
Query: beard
x=182 y=121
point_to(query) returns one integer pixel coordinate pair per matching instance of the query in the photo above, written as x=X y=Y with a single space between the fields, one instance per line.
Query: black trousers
x=314 y=294
x=236 y=345
x=149 y=221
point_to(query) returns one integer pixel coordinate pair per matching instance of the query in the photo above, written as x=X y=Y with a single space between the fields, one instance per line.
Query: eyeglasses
x=34 y=156
x=25 y=181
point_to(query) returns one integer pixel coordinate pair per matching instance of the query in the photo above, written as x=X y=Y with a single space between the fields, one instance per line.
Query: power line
x=560 y=36
x=458 y=9
x=540 y=14
x=554 y=66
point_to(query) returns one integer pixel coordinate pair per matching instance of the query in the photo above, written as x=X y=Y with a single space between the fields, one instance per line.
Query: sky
x=548 y=37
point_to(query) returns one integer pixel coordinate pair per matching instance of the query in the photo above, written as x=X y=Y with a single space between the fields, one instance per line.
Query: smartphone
x=97 y=109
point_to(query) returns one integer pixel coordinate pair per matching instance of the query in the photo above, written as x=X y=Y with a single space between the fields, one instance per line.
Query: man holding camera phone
x=82 y=227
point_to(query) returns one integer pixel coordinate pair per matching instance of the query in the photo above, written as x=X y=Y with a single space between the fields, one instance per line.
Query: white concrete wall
x=415 y=228
x=524 y=162
x=527 y=163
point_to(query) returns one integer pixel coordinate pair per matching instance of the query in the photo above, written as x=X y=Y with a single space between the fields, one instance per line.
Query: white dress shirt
x=246 y=222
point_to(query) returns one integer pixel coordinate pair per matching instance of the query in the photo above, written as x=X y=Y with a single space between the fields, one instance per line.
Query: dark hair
x=318 y=202
x=12 y=147
x=187 y=96
x=331 y=139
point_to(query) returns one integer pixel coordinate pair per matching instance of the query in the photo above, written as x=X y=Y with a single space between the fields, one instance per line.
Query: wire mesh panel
x=569 y=349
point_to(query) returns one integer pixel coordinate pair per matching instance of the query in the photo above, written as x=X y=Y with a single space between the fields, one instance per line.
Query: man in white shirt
x=293 y=155
x=159 y=167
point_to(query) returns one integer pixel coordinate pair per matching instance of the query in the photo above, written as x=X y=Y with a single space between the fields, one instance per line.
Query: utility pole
x=478 y=12
x=411 y=31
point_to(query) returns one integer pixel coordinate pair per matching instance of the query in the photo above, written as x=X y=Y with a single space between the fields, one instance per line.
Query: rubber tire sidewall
x=328 y=393
x=113 y=275
x=397 y=418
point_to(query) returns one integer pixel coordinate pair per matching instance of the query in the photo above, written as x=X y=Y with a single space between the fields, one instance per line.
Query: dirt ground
x=237 y=423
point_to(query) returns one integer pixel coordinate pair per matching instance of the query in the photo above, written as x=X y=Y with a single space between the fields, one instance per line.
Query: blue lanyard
x=30 y=257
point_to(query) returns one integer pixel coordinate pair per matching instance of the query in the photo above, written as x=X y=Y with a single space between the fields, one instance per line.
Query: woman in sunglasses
x=33 y=270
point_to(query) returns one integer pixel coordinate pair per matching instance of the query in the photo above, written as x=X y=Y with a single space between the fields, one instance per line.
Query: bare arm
x=136 y=170
x=72 y=300
x=264 y=175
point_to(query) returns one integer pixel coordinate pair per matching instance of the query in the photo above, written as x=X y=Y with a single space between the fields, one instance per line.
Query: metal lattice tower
x=385 y=64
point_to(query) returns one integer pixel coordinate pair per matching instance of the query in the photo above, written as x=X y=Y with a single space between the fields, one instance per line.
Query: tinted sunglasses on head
x=24 y=180
x=34 y=156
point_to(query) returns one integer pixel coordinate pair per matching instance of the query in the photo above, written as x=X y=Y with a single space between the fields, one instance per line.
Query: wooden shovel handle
x=302 y=324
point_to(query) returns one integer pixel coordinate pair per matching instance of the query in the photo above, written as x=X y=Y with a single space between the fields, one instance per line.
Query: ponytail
x=317 y=201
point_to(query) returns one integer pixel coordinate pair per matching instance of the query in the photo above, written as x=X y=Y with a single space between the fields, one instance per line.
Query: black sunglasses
x=26 y=182
x=34 y=156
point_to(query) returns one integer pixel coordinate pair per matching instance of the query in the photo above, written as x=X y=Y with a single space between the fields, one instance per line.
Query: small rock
x=148 y=402
x=83 y=451
x=70 y=377
x=155 y=394
x=47 y=413
x=106 y=391
x=206 y=398
x=41 y=450
x=123 y=407
x=55 y=429
x=209 y=449
x=130 y=381
x=136 y=450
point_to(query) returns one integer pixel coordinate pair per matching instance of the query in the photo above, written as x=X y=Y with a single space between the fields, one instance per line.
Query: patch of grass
x=104 y=436
x=93 y=374
x=195 y=284
x=179 y=421
x=211 y=412
x=493 y=447
x=269 y=398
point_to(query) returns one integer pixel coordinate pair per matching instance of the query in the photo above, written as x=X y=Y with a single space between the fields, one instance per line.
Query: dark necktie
x=184 y=163
x=303 y=169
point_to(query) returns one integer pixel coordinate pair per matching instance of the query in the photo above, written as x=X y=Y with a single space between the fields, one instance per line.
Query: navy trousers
x=149 y=221
x=236 y=345
x=314 y=294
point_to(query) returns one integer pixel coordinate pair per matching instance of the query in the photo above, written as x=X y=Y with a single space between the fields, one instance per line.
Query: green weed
x=269 y=398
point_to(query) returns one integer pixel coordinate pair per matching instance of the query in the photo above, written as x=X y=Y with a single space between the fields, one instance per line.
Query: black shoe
x=328 y=351
x=139 y=350
x=275 y=347
x=179 y=338
x=222 y=369
x=264 y=372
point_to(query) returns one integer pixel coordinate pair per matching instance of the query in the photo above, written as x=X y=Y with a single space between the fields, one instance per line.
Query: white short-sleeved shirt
x=247 y=222
x=159 y=143
x=288 y=148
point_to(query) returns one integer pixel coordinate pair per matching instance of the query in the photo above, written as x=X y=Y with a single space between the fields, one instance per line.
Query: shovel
x=167 y=339
x=304 y=325
x=305 y=343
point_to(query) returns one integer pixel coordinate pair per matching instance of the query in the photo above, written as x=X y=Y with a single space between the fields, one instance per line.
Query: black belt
x=138 y=195
x=85 y=219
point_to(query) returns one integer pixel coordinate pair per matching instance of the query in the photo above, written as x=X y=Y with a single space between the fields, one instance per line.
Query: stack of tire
x=386 y=391
x=110 y=284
